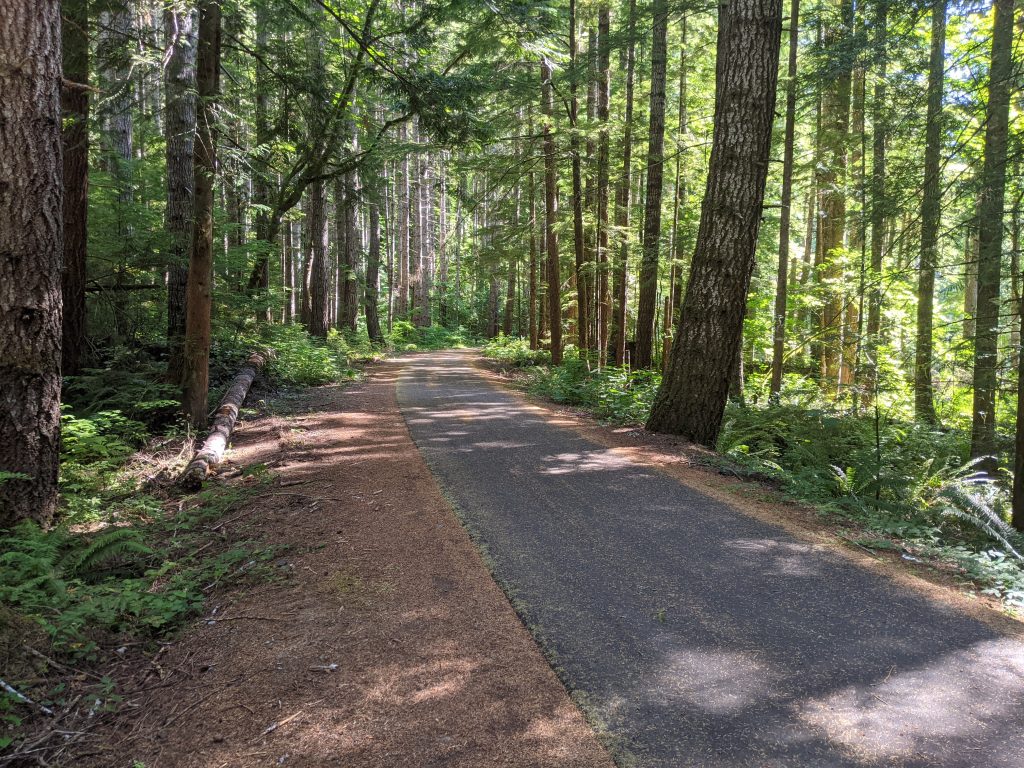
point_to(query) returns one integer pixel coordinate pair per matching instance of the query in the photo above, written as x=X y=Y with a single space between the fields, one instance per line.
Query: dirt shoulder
x=692 y=465
x=387 y=642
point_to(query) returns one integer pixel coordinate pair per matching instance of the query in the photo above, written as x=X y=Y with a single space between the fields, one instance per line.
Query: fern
x=974 y=499
x=108 y=546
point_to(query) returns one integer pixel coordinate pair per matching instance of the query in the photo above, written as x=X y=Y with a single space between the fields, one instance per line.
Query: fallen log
x=212 y=451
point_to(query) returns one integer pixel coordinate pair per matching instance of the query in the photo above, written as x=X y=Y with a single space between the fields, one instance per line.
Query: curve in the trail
x=696 y=635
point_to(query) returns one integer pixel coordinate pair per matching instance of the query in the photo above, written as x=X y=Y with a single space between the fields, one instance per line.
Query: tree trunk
x=691 y=400
x=31 y=241
x=931 y=217
x=835 y=129
x=1018 y=456
x=402 y=232
x=216 y=444
x=372 y=288
x=425 y=243
x=180 y=134
x=879 y=205
x=551 y=212
x=992 y=197
x=643 y=356
x=619 y=279
x=782 y=279
x=582 y=279
x=532 y=289
x=673 y=296
x=971 y=276
x=855 y=281
x=198 y=304
x=604 y=304
x=259 y=280
x=319 y=265
x=75 y=107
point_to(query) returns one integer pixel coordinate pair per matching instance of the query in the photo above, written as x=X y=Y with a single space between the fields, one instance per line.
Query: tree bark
x=582 y=278
x=619 y=280
x=604 y=303
x=879 y=204
x=372 y=287
x=216 y=444
x=75 y=106
x=554 y=296
x=199 y=302
x=32 y=242
x=785 y=212
x=179 y=134
x=835 y=129
x=643 y=356
x=931 y=217
x=692 y=397
x=992 y=198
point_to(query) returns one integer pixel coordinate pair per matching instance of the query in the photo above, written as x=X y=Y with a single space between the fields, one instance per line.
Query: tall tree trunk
x=1018 y=456
x=971 y=276
x=259 y=280
x=554 y=296
x=644 y=353
x=621 y=265
x=75 y=107
x=180 y=134
x=424 y=203
x=931 y=217
x=372 y=287
x=532 y=289
x=879 y=204
x=288 y=272
x=855 y=279
x=402 y=206
x=692 y=397
x=32 y=242
x=604 y=304
x=785 y=212
x=319 y=287
x=196 y=361
x=673 y=296
x=114 y=50
x=582 y=278
x=992 y=198
x=835 y=127
x=319 y=321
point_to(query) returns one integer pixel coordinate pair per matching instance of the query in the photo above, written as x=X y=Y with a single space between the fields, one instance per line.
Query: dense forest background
x=335 y=179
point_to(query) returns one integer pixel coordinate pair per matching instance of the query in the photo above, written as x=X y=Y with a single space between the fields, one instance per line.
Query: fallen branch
x=212 y=451
x=25 y=699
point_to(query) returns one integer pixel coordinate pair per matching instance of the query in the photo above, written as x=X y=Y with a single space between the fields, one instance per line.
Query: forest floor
x=697 y=619
x=384 y=643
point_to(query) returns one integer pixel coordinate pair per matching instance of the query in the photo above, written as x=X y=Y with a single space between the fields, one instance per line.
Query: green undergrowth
x=899 y=484
x=407 y=337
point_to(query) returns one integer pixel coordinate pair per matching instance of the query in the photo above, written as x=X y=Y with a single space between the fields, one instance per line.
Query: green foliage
x=140 y=578
x=131 y=384
x=615 y=394
x=302 y=359
x=406 y=337
x=516 y=351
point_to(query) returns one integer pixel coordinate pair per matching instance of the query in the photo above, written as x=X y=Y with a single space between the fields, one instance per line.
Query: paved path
x=699 y=636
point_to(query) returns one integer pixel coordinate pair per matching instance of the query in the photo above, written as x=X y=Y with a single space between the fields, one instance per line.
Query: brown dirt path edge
x=434 y=668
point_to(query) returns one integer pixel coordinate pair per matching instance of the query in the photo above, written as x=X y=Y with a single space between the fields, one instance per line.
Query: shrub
x=615 y=394
x=306 y=360
x=514 y=350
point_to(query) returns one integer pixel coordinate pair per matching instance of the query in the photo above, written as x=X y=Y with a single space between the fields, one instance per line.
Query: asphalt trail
x=697 y=635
